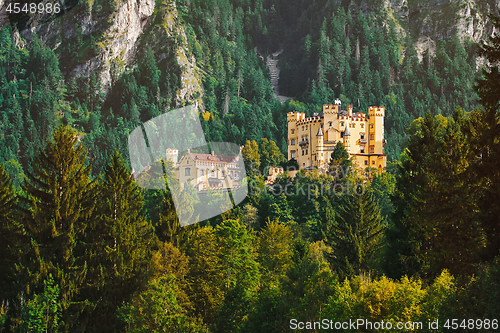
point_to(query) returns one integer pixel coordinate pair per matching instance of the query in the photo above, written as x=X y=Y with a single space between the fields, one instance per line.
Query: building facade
x=206 y=171
x=312 y=140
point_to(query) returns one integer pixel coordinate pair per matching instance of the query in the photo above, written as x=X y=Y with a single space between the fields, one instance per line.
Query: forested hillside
x=85 y=249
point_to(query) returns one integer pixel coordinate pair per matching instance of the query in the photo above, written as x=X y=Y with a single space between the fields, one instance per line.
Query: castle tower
x=376 y=129
x=347 y=137
x=293 y=135
x=319 y=147
x=172 y=155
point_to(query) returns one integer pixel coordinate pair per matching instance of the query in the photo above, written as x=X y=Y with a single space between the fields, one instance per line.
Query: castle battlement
x=311 y=140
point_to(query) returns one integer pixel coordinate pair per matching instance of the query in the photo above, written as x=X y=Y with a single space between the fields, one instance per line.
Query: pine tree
x=60 y=202
x=434 y=223
x=241 y=276
x=11 y=240
x=205 y=277
x=487 y=143
x=122 y=242
x=340 y=161
x=354 y=234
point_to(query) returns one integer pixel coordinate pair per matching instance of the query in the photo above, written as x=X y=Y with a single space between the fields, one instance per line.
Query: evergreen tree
x=241 y=276
x=121 y=241
x=435 y=201
x=487 y=143
x=60 y=202
x=11 y=239
x=206 y=277
x=340 y=161
x=355 y=234
x=42 y=313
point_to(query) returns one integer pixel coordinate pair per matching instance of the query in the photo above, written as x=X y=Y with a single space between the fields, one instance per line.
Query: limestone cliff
x=429 y=21
x=125 y=28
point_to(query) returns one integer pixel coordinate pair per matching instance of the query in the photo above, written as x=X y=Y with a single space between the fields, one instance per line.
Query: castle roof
x=346 y=132
x=215 y=158
x=320 y=132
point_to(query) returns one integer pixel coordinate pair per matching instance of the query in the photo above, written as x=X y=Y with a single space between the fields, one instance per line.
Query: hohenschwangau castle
x=312 y=140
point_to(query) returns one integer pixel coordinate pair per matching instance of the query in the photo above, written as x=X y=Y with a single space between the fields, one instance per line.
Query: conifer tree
x=354 y=234
x=59 y=206
x=205 y=277
x=122 y=242
x=10 y=237
x=487 y=143
x=340 y=161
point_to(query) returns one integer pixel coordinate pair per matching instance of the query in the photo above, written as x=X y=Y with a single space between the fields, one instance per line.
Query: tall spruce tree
x=10 y=237
x=59 y=206
x=121 y=240
x=487 y=144
x=354 y=234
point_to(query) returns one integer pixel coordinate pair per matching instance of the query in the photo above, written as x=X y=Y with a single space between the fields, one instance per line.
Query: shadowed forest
x=85 y=249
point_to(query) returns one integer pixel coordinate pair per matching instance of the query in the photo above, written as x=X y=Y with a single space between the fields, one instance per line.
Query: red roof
x=215 y=158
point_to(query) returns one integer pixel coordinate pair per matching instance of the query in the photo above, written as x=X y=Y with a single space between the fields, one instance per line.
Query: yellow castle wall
x=365 y=142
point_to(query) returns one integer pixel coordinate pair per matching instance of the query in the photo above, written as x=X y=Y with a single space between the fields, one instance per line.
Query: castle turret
x=319 y=147
x=347 y=137
x=172 y=155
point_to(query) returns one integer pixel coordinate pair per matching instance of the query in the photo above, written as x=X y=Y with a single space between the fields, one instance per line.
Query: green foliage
x=156 y=309
x=355 y=234
x=275 y=252
x=42 y=313
x=241 y=276
x=60 y=201
x=108 y=262
x=340 y=161
x=434 y=213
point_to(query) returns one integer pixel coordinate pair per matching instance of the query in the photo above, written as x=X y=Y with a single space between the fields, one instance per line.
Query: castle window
x=302 y=152
x=330 y=124
x=372 y=150
x=362 y=125
x=212 y=174
x=371 y=125
x=315 y=158
x=306 y=127
x=372 y=136
x=362 y=149
x=361 y=135
x=341 y=123
x=187 y=172
x=293 y=131
x=373 y=162
x=222 y=173
x=306 y=151
x=366 y=162
x=293 y=142
x=353 y=125
x=293 y=154
x=203 y=172
x=302 y=127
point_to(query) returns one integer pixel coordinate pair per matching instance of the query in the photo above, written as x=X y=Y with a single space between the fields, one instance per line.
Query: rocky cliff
x=123 y=29
x=429 y=21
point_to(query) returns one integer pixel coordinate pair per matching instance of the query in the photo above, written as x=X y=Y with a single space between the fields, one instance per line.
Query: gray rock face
x=122 y=39
x=433 y=20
